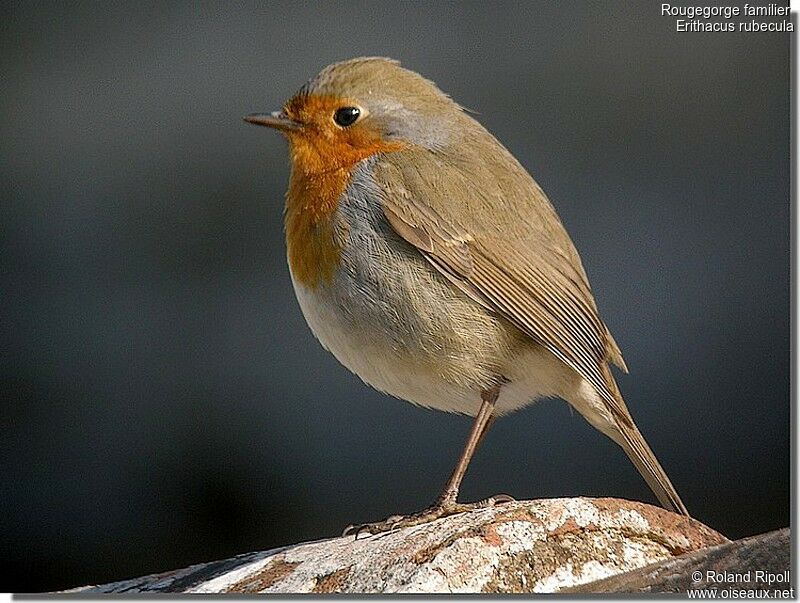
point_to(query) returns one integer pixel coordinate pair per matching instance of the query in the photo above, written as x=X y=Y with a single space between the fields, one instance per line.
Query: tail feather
x=617 y=423
x=635 y=446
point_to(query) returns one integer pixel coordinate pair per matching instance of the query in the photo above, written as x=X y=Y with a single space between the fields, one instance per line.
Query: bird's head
x=358 y=108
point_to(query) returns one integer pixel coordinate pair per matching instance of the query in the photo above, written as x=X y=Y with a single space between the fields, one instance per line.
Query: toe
x=354 y=529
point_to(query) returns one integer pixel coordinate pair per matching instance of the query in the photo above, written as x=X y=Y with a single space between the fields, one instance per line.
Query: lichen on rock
x=526 y=546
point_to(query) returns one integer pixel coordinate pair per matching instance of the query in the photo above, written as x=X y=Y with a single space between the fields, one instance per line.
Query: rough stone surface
x=527 y=546
x=757 y=563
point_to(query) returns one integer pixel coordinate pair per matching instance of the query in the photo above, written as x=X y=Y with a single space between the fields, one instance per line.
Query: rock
x=755 y=563
x=527 y=546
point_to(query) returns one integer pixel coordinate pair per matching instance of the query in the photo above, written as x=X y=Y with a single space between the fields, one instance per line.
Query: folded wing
x=517 y=261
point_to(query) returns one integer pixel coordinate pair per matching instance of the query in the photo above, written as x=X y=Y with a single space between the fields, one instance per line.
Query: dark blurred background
x=164 y=402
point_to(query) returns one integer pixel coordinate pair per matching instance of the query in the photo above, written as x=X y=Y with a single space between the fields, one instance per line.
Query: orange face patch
x=323 y=156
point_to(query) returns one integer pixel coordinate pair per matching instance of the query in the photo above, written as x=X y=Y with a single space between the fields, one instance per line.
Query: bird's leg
x=447 y=503
x=486 y=427
x=479 y=428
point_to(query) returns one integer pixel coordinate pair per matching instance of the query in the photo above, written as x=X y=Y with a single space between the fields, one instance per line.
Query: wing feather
x=520 y=264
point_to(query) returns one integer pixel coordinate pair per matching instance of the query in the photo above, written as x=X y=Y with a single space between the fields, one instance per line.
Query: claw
x=430 y=514
x=492 y=501
x=354 y=529
x=395 y=521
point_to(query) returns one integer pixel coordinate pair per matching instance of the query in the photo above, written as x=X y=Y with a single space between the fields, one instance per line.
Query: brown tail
x=635 y=446
x=618 y=424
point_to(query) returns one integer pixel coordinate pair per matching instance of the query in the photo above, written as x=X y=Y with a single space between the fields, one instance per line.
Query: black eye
x=346 y=116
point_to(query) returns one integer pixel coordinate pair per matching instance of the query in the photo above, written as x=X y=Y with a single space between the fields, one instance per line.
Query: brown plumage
x=433 y=216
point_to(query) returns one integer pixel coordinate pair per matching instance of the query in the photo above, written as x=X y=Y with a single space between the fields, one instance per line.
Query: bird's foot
x=436 y=511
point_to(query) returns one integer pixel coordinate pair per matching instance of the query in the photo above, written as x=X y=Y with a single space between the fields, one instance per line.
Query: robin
x=431 y=264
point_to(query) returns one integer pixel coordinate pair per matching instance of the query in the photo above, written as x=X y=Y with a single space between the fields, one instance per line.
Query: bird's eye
x=346 y=116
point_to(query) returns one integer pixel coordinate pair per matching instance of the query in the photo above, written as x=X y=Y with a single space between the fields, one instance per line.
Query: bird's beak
x=277 y=119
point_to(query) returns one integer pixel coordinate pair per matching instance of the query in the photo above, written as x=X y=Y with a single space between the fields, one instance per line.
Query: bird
x=431 y=264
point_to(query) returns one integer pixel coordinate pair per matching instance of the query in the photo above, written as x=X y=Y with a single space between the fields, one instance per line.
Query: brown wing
x=517 y=261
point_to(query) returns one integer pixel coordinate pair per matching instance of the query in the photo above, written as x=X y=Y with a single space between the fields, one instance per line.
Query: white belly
x=533 y=374
x=370 y=356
